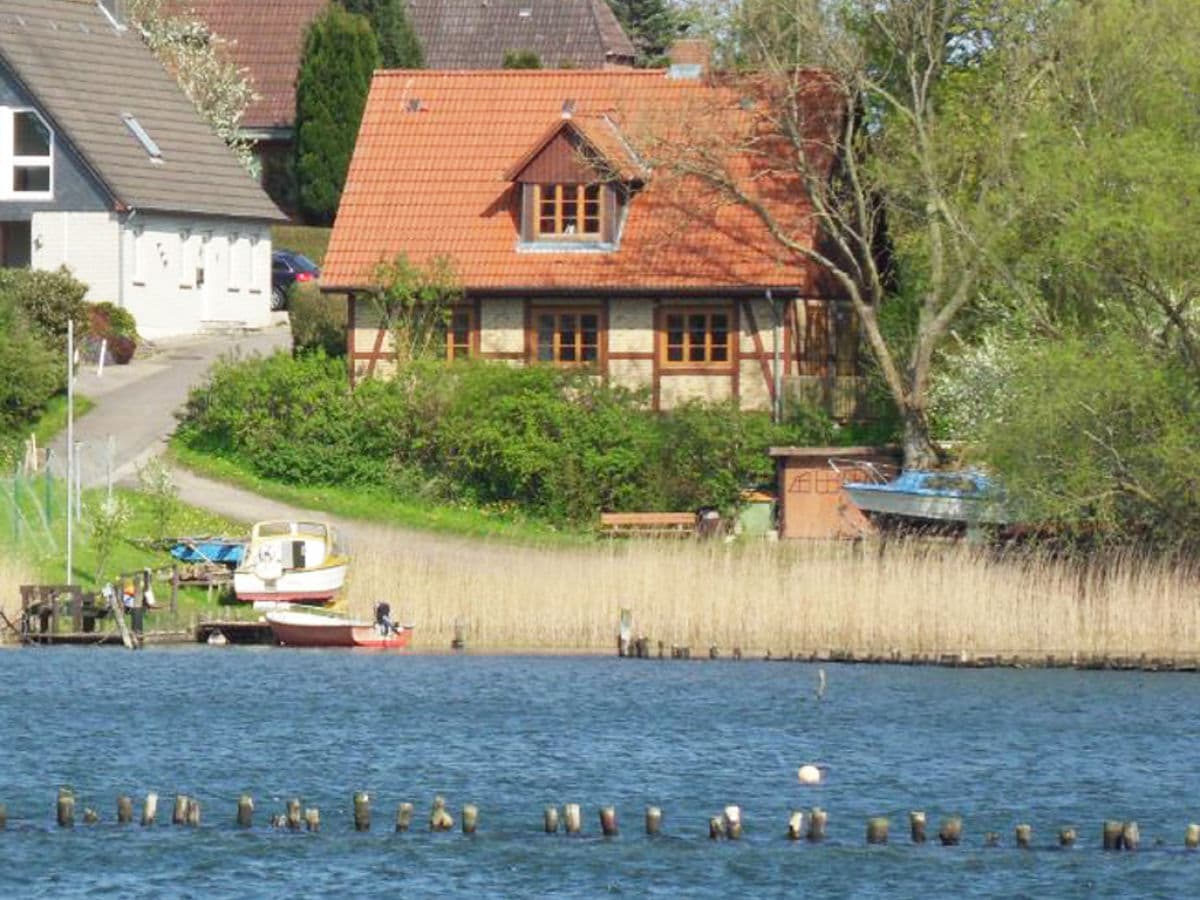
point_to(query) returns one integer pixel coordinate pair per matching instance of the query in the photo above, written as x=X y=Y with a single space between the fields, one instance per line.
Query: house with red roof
x=576 y=244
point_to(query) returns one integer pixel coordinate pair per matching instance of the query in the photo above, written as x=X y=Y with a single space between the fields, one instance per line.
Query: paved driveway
x=135 y=405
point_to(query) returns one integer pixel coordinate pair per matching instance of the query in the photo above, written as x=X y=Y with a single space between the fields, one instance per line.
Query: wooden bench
x=648 y=524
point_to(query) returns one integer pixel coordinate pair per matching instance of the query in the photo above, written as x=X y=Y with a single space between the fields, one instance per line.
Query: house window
x=568 y=211
x=830 y=343
x=458 y=333
x=26 y=155
x=698 y=337
x=568 y=337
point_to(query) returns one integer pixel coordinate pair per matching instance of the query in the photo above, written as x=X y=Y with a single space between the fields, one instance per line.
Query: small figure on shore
x=128 y=593
x=383 y=619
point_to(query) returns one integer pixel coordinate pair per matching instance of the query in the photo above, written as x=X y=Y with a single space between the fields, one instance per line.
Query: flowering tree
x=192 y=53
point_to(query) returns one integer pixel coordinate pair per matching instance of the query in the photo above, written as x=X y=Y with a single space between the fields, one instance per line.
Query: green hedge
x=555 y=443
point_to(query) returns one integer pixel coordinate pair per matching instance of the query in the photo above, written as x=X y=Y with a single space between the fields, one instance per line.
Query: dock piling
x=439 y=818
x=608 y=821
x=1130 y=836
x=179 y=812
x=653 y=820
x=731 y=818
x=950 y=832
x=470 y=818
x=245 y=811
x=312 y=819
x=362 y=811
x=66 y=808
x=1023 y=835
x=404 y=815
x=795 y=825
x=193 y=812
x=817 y=820
x=90 y=816
x=916 y=826
x=572 y=818
x=1111 y=839
x=124 y=809
x=1066 y=837
x=149 y=809
x=877 y=830
x=294 y=815
x=550 y=819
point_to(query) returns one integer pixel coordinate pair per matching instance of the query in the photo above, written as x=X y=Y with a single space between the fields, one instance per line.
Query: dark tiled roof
x=266 y=37
x=475 y=34
x=86 y=75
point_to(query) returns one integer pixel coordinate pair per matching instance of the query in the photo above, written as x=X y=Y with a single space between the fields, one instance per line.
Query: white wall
x=181 y=275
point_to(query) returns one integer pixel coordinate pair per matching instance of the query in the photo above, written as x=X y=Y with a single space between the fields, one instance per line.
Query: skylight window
x=147 y=142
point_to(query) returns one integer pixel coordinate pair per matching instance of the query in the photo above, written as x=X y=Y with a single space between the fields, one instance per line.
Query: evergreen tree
x=399 y=47
x=651 y=24
x=340 y=54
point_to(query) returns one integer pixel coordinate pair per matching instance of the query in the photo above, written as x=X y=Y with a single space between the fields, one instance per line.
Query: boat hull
x=870 y=499
x=301 y=586
x=298 y=629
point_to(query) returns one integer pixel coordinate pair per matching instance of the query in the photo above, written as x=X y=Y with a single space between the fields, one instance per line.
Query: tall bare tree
x=876 y=118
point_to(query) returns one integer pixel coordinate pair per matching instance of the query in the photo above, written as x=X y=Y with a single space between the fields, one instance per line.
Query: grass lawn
x=54 y=419
x=382 y=507
x=311 y=241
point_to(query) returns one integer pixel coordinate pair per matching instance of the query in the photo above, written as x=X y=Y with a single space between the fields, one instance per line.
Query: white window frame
x=10 y=161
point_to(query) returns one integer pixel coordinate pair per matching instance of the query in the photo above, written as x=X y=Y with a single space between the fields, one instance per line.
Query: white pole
x=78 y=485
x=70 y=434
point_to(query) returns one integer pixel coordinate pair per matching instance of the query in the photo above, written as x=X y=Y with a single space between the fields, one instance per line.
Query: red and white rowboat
x=305 y=629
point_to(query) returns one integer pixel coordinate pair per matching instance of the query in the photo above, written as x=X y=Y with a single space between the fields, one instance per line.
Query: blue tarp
x=225 y=552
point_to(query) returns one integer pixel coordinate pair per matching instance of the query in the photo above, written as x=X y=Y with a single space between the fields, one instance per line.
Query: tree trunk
x=919 y=451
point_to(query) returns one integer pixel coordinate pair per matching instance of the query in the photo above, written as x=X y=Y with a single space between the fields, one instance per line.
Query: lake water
x=513 y=734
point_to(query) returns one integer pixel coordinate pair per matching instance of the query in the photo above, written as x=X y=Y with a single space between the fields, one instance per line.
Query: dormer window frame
x=568 y=208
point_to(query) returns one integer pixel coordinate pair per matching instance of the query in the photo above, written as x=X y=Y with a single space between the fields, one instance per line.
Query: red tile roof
x=427 y=179
x=266 y=38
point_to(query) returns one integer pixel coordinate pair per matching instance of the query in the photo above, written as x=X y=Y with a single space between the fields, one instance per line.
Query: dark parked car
x=288 y=268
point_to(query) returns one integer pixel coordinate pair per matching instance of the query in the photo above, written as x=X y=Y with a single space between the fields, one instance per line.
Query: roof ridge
x=525 y=73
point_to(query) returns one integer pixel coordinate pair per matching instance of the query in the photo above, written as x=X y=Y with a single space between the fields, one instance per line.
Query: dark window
x=568 y=337
x=830 y=339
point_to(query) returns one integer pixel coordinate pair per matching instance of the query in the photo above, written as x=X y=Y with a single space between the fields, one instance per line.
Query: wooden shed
x=812 y=503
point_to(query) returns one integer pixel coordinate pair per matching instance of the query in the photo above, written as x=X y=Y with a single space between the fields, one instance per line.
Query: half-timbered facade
x=575 y=247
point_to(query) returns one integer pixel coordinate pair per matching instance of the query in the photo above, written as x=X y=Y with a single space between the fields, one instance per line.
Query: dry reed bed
x=911 y=600
x=13 y=574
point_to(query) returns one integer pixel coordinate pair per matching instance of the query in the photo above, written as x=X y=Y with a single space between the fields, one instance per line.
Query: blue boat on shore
x=218 y=551
x=969 y=497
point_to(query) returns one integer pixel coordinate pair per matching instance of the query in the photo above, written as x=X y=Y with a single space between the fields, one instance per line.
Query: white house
x=106 y=168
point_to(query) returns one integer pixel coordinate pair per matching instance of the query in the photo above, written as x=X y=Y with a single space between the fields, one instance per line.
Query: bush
x=556 y=443
x=107 y=320
x=318 y=321
x=30 y=371
x=49 y=300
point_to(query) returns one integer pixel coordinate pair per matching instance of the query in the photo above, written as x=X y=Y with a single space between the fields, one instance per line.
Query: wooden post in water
x=1112 y=834
x=572 y=818
x=294 y=814
x=732 y=819
x=439 y=818
x=193 y=812
x=459 y=641
x=245 y=811
x=991 y=839
x=362 y=811
x=653 y=820
x=795 y=825
x=312 y=818
x=817 y=820
x=1130 y=836
x=1191 y=838
x=179 y=812
x=1024 y=836
x=124 y=810
x=404 y=814
x=3 y=816
x=90 y=816
x=149 y=809
x=624 y=631
x=550 y=819
x=1066 y=837
x=470 y=818
x=916 y=826
x=66 y=808
x=950 y=832
x=608 y=821
x=716 y=828
x=877 y=830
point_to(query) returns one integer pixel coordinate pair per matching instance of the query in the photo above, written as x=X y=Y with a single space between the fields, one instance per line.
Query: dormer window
x=26 y=155
x=569 y=212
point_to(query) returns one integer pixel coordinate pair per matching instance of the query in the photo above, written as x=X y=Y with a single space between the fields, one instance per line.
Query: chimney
x=690 y=59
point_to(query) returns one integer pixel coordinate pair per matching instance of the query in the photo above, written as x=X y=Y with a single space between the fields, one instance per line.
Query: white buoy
x=809 y=774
